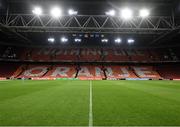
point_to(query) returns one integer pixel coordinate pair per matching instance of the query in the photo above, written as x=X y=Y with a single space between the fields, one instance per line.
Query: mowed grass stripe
x=22 y=88
x=115 y=105
x=62 y=103
x=163 y=89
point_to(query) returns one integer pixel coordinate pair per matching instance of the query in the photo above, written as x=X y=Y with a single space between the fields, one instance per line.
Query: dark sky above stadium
x=92 y=7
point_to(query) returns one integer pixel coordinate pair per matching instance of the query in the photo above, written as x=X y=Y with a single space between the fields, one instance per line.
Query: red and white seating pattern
x=87 y=72
x=90 y=72
x=114 y=72
x=34 y=71
x=115 y=55
x=92 y=55
x=146 y=72
x=60 y=71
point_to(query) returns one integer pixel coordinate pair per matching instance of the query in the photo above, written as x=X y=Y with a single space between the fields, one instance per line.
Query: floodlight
x=130 y=41
x=144 y=13
x=64 y=39
x=77 y=40
x=118 y=40
x=126 y=14
x=110 y=13
x=72 y=12
x=56 y=12
x=104 y=40
x=37 y=11
x=51 y=40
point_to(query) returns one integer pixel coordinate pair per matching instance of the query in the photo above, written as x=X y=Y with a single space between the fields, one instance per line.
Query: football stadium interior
x=89 y=63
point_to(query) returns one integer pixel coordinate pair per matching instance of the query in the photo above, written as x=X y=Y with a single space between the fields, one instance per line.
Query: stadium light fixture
x=110 y=13
x=56 y=12
x=104 y=40
x=126 y=14
x=37 y=11
x=144 y=13
x=118 y=40
x=77 y=40
x=51 y=40
x=72 y=12
x=130 y=41
x=64 y=40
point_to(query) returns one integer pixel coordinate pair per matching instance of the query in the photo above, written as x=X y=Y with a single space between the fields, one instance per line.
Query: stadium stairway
x=104 y=71
x=48 y=70
x=19 y=71
x=131 y=68
x=77 y=71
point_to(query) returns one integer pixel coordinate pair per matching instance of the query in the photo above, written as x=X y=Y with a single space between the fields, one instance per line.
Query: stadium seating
x=7 y=69
x=93 y=72
x=146 y=72
x=51 y=54
x=33 y=71
x=119 y=72
x=169 y=71
x=88 y=54
x=102 y=58
x=114 y=55
x=90 y=72
x=60 y=71
x=138 y=55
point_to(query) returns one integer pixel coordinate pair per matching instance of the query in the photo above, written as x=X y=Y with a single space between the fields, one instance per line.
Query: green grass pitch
x=67 y=103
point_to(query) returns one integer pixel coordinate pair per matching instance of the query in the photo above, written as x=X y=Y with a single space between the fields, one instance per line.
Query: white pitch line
x=90 y=105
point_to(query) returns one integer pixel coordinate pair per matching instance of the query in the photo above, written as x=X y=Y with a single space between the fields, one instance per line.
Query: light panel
x=110 y=13
x=118 y=40
x=51 y=40
x=37 y=11
x=144 y=13
x=56 y=12
x=104 y=40
x=64 y=40
x=126 y=14
x=130 y=41
x=77 y=40
x=72 y=12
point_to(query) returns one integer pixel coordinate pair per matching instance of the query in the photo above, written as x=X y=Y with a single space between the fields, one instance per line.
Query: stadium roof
x=167 y=13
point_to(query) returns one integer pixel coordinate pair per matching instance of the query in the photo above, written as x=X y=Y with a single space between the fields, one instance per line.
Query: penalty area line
x=90 y=105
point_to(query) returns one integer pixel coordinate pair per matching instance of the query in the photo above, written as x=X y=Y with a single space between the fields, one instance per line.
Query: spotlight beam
x=130 y=41
x=110 y=13
x=126 y=14
x=118 y=40
x=144 y=13
x=72 y=12
x=64 y=39
x=56 y=12
x=37 y=11
x=51 y=40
